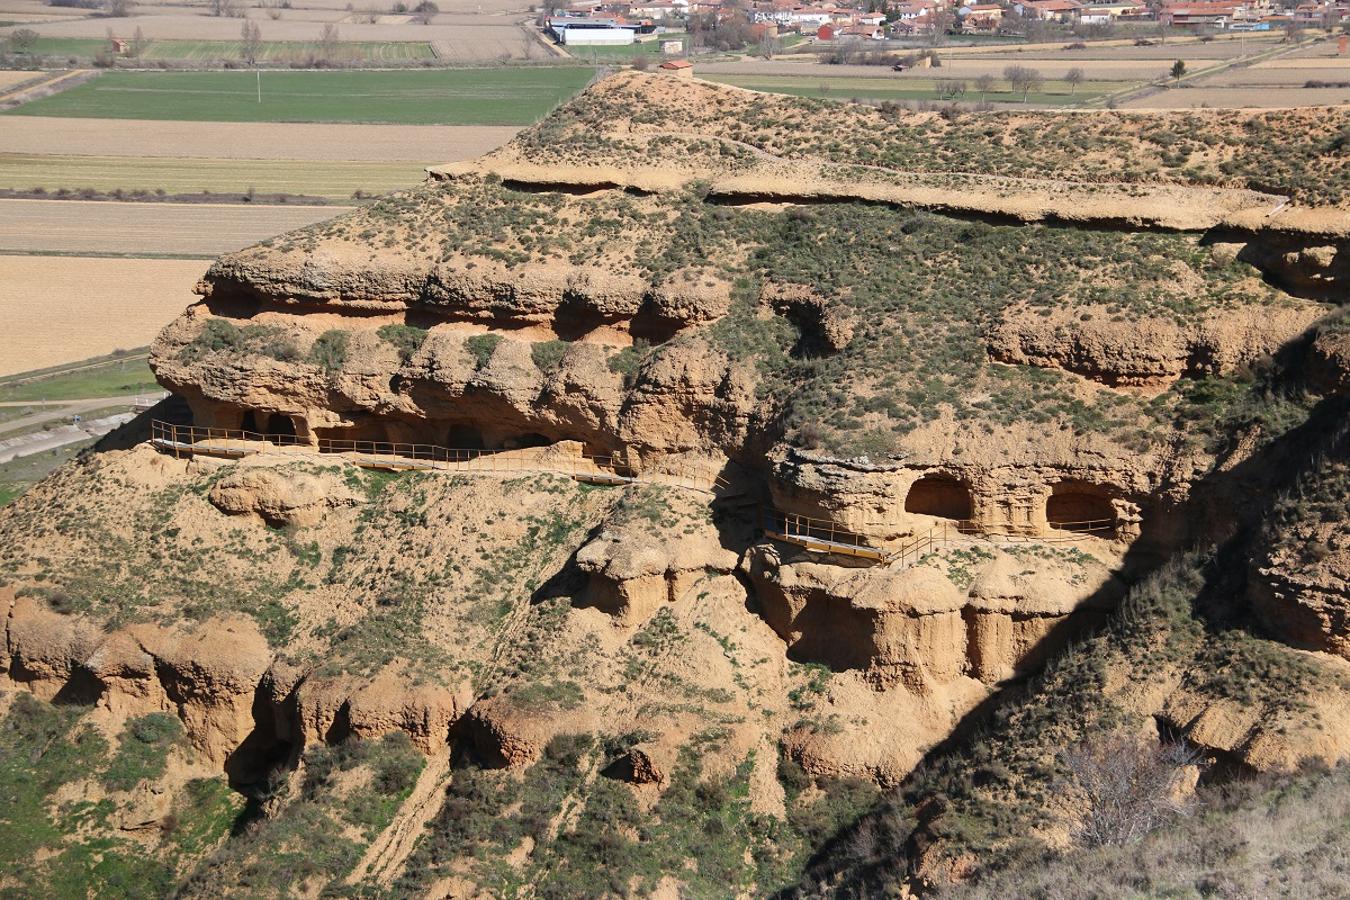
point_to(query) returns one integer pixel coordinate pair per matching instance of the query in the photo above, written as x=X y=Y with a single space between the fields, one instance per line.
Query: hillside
x=704 y=494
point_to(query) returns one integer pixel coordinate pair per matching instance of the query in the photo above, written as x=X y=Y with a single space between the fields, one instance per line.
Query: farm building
x=577 y=32
x=680 y=68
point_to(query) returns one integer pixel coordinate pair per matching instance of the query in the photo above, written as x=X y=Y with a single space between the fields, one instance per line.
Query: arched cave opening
x=942 y=496
x=250 y=423
x=1081 y=507
x=280 y=424
x=464 y=437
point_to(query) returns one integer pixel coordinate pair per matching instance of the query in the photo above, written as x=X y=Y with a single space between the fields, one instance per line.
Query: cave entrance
x=941 y=496
x=464 y=437
x=525 y=441
x=250 y=423
x=278 y=424
x=1080 y=507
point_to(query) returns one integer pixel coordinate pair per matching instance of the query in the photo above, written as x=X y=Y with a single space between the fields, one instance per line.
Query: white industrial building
x=580 y=32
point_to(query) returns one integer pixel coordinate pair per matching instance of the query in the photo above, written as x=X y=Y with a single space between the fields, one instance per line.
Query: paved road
x=207 y=229
x=61 y=409
x=40 y=441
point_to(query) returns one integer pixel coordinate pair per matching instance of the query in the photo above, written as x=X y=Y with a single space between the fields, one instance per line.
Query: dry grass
x=1279 y=837
x=60 y=310
x=9 y=79
x=136 y=229
x=1242 y=98
x=334 y=180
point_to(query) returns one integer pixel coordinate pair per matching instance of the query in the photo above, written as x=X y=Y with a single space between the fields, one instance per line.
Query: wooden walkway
x=822 y=536
x=829 y=537
x=592 y=468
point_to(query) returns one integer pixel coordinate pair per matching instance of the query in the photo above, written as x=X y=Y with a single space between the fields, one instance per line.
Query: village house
x=1199 y=14
x=1065 y=11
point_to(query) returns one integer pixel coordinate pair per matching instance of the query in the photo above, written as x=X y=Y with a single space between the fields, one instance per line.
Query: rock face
x=279 y=497
x=328 y=710
x=918 y=627
x=506 y=734
x=220 y=679
x=207 y=676
x=633 y=567
x=1151 y=352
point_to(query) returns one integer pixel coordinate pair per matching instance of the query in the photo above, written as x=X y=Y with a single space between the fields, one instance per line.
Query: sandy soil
x=74 y=226
x=56 y=310
x=1242 y=98
x=228 y=140
x=9 y=79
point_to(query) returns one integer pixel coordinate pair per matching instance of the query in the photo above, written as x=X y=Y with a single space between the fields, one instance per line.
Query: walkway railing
x=598 y=468
x=827 y=536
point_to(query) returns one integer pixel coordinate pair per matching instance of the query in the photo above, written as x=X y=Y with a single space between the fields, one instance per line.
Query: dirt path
x=384 y=859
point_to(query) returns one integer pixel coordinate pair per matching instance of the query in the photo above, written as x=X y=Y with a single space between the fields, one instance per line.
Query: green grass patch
x=114 y=378
x=883 y=89
x=501 y=96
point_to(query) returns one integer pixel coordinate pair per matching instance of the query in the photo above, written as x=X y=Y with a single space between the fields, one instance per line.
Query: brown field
x=88 y=307
x=1257 y=76
x=483 y=38
x=139 y=229
x=228 y=140
x=9 y=79
x=1241 y=98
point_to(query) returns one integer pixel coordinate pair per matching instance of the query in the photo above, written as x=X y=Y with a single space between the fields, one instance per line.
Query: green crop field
x=1054 y=93
x=649 y=49
x=335 y=180
x=501 y=96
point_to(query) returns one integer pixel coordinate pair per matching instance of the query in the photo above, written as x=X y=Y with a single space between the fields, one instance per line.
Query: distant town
x=616 y=23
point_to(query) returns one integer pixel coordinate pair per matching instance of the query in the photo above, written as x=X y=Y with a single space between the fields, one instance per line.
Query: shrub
x=547 y=355
x=330 y=350
x=628 y=360
x=407 y=339
x=143 y=752
x=482 y=346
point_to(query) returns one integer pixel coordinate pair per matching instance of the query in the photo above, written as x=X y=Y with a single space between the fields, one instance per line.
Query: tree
x=22 y=40
x=1074 y=77
x=250 y=42
x=138 y=44
x=118 y=9
x=950 y=88
x=1024 y=79
x=1178 y=70
x=328 y=41
x=227 y=9
x=984 y=84
x=1121 y=786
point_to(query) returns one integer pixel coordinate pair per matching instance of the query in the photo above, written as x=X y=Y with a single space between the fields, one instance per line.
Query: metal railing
x=819 y=534
x=827 y=536
x=599 y=468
